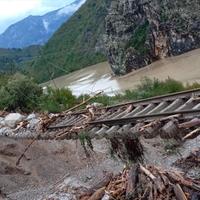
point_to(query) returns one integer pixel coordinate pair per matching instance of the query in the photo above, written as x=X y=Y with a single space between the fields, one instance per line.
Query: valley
x=100 y=100
x=100 y=77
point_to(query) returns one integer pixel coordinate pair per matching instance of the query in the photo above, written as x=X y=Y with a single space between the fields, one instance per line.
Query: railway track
x=121 y=119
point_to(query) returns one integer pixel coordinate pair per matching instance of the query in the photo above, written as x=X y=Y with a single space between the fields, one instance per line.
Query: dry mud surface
x=49 y=168
x=48 y=163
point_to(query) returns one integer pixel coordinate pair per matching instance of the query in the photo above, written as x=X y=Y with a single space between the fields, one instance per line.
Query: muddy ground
x=48 y=163
x=50 y=167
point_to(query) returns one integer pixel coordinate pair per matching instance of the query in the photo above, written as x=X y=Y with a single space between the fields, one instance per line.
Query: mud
x=49 y=163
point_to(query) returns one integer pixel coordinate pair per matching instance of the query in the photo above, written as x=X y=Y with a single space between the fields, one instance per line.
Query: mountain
x=12 y=60
x=77 y=43
x=140 y=32
x=35 y=30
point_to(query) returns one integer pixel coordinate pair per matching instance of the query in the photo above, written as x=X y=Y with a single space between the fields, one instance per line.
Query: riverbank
x=184 y=68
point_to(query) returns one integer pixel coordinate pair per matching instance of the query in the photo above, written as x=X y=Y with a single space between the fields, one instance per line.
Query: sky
x=12 y=11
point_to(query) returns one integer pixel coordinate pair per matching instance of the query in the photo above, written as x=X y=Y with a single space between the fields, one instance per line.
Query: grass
x=18 y=92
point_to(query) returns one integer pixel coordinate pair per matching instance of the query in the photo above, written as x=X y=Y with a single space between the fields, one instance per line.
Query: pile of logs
x=149 y=182
x=172 y=127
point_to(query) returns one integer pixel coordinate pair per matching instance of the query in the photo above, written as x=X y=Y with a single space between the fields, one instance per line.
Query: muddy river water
x=185 y=68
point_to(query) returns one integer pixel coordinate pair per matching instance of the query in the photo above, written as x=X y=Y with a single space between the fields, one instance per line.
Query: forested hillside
x=13 y=59
x=77 y=44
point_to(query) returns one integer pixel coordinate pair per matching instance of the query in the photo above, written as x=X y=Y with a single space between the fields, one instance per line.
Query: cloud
x=71 y=8
x=14 y=8
x=12 y=11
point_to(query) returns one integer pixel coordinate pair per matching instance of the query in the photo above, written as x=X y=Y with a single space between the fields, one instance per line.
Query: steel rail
x=156 y=99
x=183 y=94
x=122 y=121
x=126 y=120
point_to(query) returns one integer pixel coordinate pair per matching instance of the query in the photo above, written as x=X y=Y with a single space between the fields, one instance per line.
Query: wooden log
x=192 y=134
x=98 y=194
x=26 y=149
x=147 y=173
x=152 y=131
x=190 y=124
x=132 y=181
x=83 y=103
x=102 y=183
x=175 y=177
x=171 y=130
x=180 y=195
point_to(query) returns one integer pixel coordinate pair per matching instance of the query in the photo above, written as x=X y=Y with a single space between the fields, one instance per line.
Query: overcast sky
x=12 y=11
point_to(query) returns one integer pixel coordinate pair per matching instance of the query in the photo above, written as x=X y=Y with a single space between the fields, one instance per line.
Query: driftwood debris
x=97 y=190
x=83 y=103
x=25 y=150
x=192 y=134
x=148 y=182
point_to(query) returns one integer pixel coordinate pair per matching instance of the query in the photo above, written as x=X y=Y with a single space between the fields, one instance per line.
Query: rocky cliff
x=139 y=32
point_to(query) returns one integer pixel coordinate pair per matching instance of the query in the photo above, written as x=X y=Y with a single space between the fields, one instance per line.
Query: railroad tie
x=135 y=111
x=196 y=107
x=101 y=133
x=173 y=106
x=146 y=110
x=112 y=131
x=158 y=108
x=188 y=105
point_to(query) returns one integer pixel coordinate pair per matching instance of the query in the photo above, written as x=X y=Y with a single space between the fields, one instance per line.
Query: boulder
x=12 y=119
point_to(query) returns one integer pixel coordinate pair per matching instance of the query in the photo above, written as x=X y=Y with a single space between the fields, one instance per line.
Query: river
x=99 y=77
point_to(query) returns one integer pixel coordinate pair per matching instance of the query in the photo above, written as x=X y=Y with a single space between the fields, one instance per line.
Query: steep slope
x=78 y=43
x=139 y=32
x=37 y=29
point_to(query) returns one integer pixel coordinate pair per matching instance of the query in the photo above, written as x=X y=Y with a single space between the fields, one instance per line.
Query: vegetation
x=18 y=92
x=73 y=46
x=57 y=100
x=12 y=60
x=139 y=38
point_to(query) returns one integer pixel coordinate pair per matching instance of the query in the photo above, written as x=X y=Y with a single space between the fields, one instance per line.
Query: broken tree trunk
x=190 y=124
x=171 y=130
x=98 y=194
x=180 y=195
x=132 y=182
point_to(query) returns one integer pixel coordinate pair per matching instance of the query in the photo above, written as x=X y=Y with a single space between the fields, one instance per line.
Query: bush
x=57 y=100
x=20 y=93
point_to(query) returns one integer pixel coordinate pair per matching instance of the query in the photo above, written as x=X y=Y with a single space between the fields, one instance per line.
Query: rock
x=5 y=131
x=139 y=32
x=12 y=119
x=31 y=116
x=2 y=123
x=33 y=123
